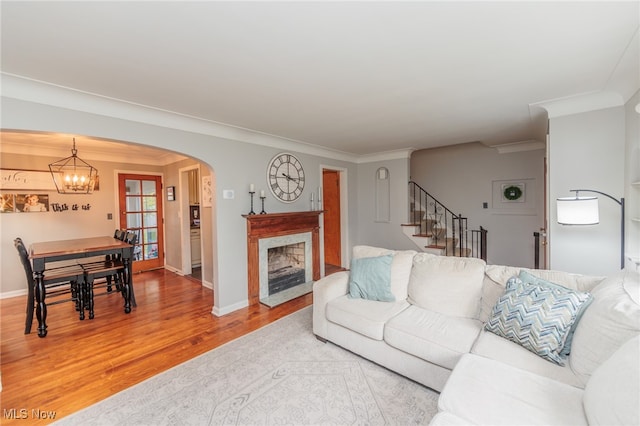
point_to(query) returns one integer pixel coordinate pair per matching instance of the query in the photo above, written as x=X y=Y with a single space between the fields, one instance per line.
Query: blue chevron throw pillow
x=538 y=315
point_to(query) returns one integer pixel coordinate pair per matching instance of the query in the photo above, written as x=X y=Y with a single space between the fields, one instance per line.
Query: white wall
x=632 y=175
x=235 y=164
x=463 y=177
x=383 y=234
x=586 y=151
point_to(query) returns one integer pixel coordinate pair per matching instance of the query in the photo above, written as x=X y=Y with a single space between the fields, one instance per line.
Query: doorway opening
x=334 y=207
x=140 y=202
x=190 y=208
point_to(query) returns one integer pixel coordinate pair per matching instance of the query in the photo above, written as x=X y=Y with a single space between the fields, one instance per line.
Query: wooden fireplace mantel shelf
x=273 y=225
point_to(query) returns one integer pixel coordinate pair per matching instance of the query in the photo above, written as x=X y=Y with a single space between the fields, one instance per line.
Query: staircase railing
x=447 y=230
x=479 y=243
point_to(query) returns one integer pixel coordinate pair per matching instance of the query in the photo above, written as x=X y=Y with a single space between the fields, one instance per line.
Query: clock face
x=285 y=177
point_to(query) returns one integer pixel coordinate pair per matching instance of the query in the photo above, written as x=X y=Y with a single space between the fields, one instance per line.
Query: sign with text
x=26 y=180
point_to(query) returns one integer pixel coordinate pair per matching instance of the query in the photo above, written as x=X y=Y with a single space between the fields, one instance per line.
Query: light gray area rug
x=278 y=375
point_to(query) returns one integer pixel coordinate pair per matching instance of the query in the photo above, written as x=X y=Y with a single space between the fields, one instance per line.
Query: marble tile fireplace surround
x=288 y=244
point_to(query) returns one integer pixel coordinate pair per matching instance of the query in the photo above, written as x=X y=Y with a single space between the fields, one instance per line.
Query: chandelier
x=72 y=175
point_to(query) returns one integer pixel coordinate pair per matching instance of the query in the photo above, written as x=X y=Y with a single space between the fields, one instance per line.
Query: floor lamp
x=584 y=211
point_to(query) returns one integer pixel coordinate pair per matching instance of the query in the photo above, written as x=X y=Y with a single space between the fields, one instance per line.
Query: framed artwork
x=30 y=203
x=513 y=192
x=207 y=191
x=515 y=196
x=171 y=193
x=32 y=180
x=7 y=203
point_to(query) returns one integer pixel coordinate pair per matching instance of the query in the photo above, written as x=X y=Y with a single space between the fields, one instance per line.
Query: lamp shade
x=578 y=211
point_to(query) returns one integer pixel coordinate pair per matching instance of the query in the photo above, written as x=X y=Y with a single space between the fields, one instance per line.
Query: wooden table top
x=78 y=245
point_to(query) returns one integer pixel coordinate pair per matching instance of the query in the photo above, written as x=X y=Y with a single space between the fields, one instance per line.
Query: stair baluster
x=446 y=231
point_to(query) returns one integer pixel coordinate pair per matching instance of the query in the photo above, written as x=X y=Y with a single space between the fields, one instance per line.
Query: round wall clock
x=285 y=176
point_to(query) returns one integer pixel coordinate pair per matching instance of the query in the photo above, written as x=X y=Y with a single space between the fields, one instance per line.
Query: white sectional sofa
x=434 y=328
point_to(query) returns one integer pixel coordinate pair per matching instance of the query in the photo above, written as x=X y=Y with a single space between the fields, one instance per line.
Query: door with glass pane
x=141 y=212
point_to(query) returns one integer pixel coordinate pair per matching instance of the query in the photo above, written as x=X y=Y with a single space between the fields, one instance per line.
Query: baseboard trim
x=174 y=270
x=14 y=293
x=227 y=309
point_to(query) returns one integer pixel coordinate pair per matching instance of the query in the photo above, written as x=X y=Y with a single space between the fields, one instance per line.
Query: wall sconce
x=584 y=211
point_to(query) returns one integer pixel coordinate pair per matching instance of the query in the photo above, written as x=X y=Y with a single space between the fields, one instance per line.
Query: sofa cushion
x=495 y=347
x=496 y=277
x=437 y=338
x=400 y=266
x=493 y=284
x=612 y=319
x=485 y=391
x=370 y=278
x=613 y=391
x=366 y=317
x=448 y=285
x=538 y=315
x=576 y=282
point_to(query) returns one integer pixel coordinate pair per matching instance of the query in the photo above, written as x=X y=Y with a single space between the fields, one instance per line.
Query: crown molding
x=530 y=145
x=26 y=89
x=580 y=103
x=385 y=156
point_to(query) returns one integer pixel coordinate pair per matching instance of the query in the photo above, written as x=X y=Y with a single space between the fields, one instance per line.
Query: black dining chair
x=115 y=273
x=131 y=237
x=119 y=234
x=62 y=283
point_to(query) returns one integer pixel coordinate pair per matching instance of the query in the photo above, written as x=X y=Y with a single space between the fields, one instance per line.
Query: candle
x=319 y=194
x=312 y=196
x=252 y=188
x=262 y=193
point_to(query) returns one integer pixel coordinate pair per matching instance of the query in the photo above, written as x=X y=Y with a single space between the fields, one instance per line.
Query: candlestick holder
x=262 y=199
x=251 y=193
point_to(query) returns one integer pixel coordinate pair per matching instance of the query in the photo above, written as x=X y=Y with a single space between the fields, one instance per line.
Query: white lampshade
x=578 y=211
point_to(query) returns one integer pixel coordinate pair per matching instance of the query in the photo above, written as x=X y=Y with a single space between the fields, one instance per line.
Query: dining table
x=46 y=252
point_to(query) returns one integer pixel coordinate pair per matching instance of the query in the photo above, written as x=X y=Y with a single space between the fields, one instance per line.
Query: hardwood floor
x=82 y=362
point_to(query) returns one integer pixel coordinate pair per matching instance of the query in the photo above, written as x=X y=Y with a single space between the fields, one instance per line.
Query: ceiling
x=59 y=145
x=352 y=77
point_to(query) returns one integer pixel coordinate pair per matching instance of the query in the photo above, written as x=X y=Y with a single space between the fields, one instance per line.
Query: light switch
x=228 y=194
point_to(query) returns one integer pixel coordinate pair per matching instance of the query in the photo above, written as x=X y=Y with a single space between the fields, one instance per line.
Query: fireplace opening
x=286 y=267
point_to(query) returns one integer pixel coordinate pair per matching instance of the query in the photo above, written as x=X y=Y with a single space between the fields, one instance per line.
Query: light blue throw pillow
x=370 y=278
x=538 y=315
